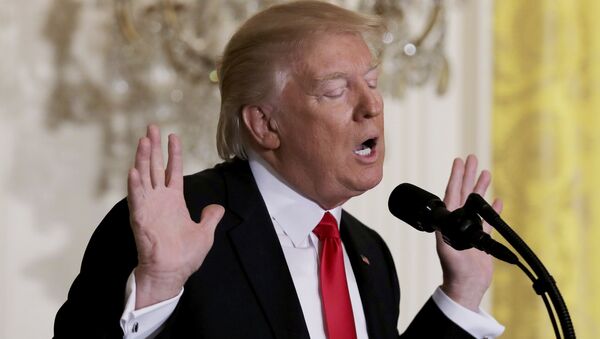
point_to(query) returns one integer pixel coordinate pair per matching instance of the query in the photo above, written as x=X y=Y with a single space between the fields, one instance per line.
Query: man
x=250 y=248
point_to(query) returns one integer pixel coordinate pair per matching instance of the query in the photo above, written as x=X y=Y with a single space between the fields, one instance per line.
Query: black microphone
x=461 y=228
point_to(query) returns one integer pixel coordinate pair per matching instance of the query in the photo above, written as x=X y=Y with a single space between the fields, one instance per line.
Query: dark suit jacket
x=244 y=288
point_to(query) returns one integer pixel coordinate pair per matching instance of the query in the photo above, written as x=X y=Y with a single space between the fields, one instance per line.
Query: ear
x=261 y=126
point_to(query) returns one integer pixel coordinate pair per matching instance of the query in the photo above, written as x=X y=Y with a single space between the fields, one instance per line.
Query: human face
x=330 y=121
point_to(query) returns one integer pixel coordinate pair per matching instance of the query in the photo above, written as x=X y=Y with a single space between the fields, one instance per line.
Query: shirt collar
x=296 y=214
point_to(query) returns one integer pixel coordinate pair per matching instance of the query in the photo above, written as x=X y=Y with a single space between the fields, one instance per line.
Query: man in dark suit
x=230 y=252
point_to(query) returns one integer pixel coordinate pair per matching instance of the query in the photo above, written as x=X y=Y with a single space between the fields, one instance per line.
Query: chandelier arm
x=124 y=21
x=433 y=18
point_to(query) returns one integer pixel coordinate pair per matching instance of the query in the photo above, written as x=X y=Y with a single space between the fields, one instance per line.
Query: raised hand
x=170 y=245
x=468 y=273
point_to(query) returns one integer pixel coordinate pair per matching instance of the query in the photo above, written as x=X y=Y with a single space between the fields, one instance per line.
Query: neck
x=300 y=184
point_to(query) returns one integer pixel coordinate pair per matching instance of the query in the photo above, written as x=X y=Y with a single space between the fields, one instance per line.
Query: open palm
x=170 y=245
x=467 y=273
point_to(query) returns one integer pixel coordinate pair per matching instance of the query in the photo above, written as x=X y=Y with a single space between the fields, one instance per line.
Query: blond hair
x=266 y=41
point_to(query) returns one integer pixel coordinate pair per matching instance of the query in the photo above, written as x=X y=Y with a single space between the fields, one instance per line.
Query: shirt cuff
x=479 y=324
x=146 y=322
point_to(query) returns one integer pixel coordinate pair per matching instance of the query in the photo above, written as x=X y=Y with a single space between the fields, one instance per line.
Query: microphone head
x=414 y=206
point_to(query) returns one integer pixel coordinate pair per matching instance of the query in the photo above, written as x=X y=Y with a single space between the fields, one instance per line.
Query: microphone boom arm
x=544 y=283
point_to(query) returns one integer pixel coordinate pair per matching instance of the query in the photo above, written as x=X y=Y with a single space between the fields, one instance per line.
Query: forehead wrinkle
x=307 y=75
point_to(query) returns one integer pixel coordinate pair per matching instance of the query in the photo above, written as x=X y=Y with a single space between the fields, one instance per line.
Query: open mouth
x=366 y=148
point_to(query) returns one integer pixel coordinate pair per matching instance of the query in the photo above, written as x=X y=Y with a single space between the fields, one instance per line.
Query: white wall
x=49 y=202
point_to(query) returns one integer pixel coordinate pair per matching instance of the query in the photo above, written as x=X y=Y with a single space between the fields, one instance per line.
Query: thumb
x=210 y=217
x=498 y=205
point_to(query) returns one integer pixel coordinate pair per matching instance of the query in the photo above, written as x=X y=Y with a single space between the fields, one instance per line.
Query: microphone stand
x=544 y=283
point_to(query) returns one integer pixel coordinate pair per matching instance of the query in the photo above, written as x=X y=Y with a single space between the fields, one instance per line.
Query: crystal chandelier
x=414 y=56
x=160 y=66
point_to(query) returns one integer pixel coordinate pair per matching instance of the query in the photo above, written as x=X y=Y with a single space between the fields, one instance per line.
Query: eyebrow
x=331 y=76
x=339 y=75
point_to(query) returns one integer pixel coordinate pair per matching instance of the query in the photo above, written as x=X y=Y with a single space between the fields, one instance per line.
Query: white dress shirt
x=294 y=217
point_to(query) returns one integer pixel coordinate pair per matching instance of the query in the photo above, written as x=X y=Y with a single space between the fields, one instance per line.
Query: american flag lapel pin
x=365 y=259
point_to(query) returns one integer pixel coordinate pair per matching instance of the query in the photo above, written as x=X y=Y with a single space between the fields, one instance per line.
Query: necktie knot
x=327 y=228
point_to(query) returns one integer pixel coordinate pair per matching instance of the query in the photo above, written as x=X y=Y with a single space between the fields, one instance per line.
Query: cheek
x=320 y=129
x=304 y=141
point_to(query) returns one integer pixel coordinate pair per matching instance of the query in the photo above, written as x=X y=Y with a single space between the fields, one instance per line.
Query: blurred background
x=515 y=82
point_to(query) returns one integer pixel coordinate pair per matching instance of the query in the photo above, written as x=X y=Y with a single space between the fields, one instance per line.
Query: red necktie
x=339 y=319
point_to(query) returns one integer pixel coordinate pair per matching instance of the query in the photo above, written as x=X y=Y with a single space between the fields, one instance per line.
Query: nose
x=369 y=103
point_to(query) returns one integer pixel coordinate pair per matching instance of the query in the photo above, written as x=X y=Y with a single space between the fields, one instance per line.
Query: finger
x=174 y=173
x=498 y=205
x=452 y=194
x=157 y=171
x=210 y=217
x=483 y=182
x=468 y=181
x=135 y=190
x=142 y=162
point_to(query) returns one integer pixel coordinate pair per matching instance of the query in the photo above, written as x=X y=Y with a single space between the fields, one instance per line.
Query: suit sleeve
x=97 y=296
x=430 y=322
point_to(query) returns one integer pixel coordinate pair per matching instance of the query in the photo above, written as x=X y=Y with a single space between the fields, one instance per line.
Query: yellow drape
x=546 y=144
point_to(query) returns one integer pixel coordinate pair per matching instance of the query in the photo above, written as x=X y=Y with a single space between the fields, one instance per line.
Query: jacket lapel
x=261 y=256
x=364 y=260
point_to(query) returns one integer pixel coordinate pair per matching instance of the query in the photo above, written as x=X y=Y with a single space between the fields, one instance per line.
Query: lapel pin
x=365 y=259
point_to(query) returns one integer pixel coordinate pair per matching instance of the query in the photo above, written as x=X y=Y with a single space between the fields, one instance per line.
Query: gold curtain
x=546 y=144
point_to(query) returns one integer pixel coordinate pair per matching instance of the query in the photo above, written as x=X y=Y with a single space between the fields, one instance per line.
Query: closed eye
x=335 y=94
x=371 y=77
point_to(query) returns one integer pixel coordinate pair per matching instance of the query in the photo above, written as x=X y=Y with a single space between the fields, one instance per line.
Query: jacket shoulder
x=213 y=185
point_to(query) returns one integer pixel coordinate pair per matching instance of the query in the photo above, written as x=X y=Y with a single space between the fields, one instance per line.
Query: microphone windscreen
x=413 y=205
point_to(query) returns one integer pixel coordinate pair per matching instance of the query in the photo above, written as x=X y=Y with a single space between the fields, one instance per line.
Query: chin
x=371 y=184
x=368 y=181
